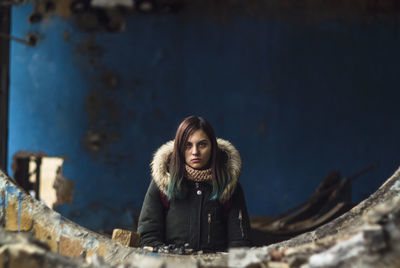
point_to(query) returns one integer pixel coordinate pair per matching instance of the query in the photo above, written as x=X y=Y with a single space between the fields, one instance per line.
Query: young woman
x=194 y=197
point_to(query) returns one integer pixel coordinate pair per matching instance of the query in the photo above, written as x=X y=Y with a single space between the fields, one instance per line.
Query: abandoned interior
x=307 y=91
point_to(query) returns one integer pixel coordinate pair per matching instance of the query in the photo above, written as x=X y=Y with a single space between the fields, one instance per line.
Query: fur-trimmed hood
x=160 y=174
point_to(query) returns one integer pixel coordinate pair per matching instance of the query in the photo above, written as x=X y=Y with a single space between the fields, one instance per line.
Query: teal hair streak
x=171 y=188
x=219 y=185
x=174 y=187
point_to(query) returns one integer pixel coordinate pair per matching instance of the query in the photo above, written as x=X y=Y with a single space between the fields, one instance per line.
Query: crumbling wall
x=366 y=236
x=20 y=212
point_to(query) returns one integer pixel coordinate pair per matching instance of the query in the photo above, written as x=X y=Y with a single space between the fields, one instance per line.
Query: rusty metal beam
x=5 y=18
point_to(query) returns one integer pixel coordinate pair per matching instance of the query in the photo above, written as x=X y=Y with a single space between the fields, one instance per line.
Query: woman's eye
x=202 y=145
x=188 y=145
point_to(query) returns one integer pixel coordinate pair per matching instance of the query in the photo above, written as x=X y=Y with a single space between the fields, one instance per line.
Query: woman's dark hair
x=177 y=160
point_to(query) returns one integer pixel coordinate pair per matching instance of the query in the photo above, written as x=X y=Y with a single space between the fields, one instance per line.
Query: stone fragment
x=126 y=238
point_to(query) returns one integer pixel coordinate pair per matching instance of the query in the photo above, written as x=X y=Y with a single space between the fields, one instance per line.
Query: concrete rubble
x=22 y=250
x=33 y=235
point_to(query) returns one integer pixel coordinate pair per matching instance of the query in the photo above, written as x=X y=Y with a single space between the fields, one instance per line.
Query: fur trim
x=160 y=174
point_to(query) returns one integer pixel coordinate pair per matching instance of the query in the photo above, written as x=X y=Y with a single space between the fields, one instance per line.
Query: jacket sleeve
x=151 y=226
x=238 y=222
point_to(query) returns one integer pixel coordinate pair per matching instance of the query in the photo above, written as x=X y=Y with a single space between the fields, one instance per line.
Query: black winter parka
x=208 y=225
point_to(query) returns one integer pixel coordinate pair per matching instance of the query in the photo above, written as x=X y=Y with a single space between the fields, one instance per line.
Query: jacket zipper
x=209 y=228
x=241 y=222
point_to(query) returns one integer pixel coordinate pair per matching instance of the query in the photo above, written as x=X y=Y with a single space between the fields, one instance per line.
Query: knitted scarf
x=198 y=175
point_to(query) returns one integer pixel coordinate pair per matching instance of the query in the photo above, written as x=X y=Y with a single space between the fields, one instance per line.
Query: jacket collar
x=160 y=174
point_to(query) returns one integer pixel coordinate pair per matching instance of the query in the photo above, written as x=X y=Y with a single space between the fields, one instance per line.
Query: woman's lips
x=195 y=160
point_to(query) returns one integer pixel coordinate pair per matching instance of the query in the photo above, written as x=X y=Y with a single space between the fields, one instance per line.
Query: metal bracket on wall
x=31 y=41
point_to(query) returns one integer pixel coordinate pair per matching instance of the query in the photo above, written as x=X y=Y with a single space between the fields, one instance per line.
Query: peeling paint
x=103 y=111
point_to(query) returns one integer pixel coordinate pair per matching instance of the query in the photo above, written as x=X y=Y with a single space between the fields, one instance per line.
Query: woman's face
x=198 y=150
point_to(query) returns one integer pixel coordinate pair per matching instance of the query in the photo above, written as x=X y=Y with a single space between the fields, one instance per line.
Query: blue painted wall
x=297 y=99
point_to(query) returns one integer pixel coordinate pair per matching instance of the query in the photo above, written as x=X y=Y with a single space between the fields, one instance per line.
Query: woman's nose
x=195 y=151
